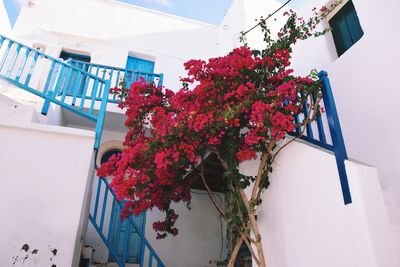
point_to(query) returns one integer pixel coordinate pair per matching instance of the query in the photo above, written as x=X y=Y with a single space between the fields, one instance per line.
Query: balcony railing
x=63 y=84
x=327 y=122
x=117 y=76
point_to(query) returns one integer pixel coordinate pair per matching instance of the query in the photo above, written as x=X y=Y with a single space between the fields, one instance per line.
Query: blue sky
x=13 y=7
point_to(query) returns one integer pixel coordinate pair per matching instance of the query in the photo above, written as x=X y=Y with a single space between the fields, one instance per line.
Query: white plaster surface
x=306 y=223
x=123 y=30
x=303 y=221
x=365 y=94
x=45 y=171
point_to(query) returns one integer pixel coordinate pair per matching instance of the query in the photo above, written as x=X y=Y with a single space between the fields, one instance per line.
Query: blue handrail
x=339 y=147
x=63 y=83
x=336 y=145
x=103 y=200
x=118 y=75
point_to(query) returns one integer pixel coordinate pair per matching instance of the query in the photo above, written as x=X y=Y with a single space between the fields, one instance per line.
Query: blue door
x=70 y=84
x=117 y=230
x=117 y=235
x=141 y=66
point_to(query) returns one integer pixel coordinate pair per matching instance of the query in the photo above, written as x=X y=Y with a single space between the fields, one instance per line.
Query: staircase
x=73 y=86
x=106 y=206
x=25 y=68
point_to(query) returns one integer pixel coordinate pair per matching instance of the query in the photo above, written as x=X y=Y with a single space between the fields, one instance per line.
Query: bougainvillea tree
x=240 y=107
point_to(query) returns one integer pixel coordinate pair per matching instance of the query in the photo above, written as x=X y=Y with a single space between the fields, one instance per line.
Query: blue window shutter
x=346 y=28
x=353 y=23
x=140 y=65
x=74 y=77
x=340 y=33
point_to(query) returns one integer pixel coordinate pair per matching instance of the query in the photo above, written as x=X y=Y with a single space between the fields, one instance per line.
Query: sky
x=13 y=7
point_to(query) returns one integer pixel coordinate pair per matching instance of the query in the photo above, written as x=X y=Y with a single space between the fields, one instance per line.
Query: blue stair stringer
x=104 y=199
x=55 y=81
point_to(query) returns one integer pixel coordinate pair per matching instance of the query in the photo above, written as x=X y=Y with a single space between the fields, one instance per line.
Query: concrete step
x=23 y=107
x=14 y=112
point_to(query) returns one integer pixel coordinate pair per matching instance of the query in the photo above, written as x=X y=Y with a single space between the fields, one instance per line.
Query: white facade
x=359 y=77
x=109 y=31
x=44 y=192
x=303 y=217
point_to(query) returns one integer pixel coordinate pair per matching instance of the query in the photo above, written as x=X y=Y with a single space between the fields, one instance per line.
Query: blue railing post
x=336 y=135
x=161 y=80
x=46 y=105
x=102 y=114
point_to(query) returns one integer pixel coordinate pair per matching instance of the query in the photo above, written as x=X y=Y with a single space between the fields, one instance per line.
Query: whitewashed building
x=51 y=138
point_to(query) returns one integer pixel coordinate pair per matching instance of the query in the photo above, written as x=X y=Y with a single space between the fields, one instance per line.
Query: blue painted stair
x=55 y=81
x=106 y=207
x=72 y=86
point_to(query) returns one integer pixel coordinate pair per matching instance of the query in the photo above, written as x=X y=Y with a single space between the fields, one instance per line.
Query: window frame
x=341 y=11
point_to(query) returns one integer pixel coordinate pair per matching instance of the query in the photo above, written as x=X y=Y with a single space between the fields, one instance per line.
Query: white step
x=18 y=106
x=13 y=112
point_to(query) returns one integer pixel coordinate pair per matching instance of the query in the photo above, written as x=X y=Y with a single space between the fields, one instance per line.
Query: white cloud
x=161 y=2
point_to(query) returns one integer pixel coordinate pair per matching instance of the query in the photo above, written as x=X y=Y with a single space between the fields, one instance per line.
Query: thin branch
x=308 y=120
x=261 y=168
x=219 y=208
x=223 y=162
x=263 y=20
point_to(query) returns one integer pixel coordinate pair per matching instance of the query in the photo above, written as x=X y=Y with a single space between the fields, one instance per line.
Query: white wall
x=199 y=241
x=46 y=171
x=109 y=31
x=241 y=17
x=363 y=82
x=363 y=78
x=303 y=221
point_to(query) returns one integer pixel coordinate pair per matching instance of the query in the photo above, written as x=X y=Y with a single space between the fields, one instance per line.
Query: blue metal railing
x=105 y=206
x=334 y=142
x=65 y=85
x=118 y=75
